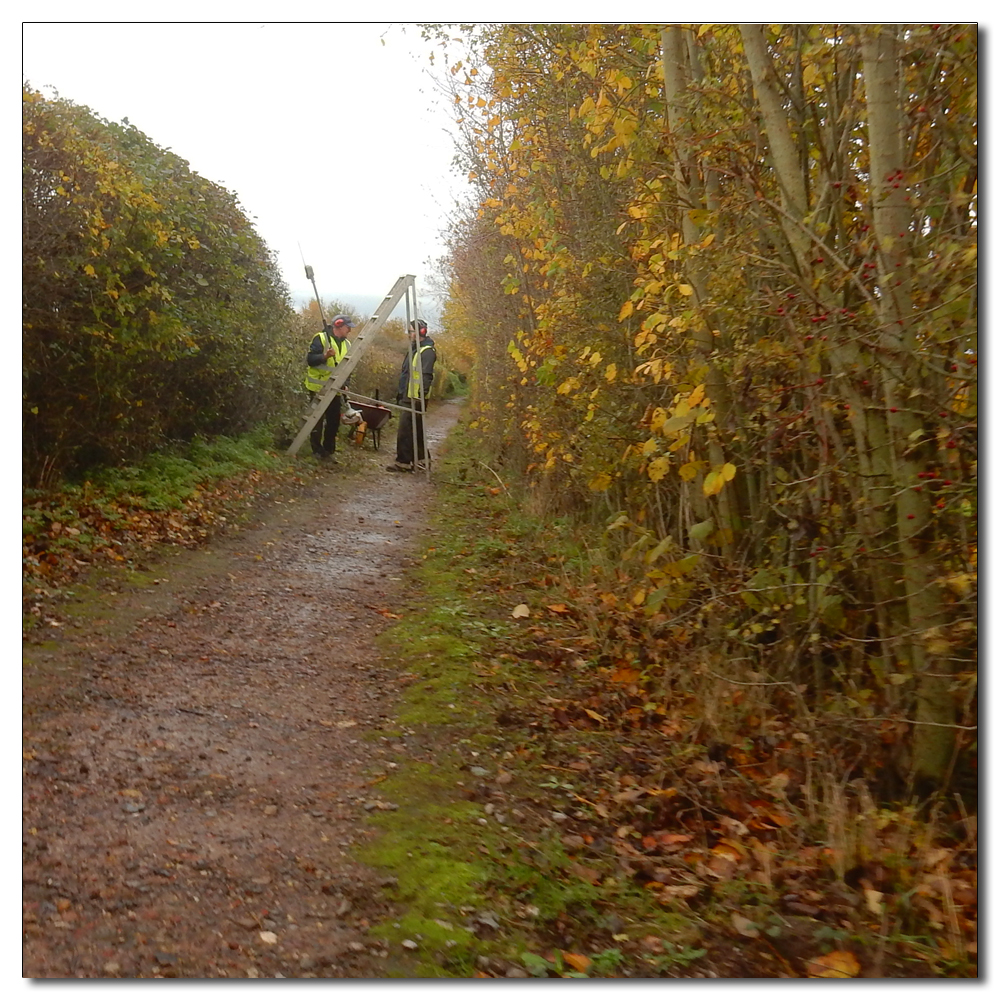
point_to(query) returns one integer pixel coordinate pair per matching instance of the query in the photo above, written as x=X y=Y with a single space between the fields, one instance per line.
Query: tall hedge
x=152 y=310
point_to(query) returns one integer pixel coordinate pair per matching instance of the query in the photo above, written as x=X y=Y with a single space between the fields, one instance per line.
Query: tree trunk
x=933 y=740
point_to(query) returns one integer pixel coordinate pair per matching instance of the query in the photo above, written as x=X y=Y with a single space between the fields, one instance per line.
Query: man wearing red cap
x=328 y=348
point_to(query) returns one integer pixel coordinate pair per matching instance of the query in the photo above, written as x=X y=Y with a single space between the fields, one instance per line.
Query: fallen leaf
x=579 y=962
x=744 y=926
x=733 y=826
x=521 y=611
x=269 y=937
x=873 y=900
x=559 y=609
x=347 y=723
x=836 y=965
x=668 y=839
x=625 y=675
x=590 y=875
x=672 y=892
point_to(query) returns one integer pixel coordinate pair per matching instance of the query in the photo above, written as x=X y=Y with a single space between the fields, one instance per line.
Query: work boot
x=399 y=467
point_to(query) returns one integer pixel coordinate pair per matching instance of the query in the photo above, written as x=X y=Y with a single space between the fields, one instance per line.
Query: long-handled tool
x=312 y=278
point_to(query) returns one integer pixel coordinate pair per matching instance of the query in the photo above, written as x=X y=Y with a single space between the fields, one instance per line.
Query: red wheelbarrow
x=373 y=419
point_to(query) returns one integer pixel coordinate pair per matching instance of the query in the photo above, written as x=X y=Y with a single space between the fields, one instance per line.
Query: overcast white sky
x=330 y=138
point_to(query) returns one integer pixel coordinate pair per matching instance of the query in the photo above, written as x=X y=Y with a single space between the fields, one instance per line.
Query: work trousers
x=323 y=437
x=404 y=435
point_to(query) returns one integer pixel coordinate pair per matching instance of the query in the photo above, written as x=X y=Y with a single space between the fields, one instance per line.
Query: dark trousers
x=404 y=436
x=323 y=437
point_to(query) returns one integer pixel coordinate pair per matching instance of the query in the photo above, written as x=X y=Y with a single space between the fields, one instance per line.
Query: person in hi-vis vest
x=328 y=348
x=415 y=379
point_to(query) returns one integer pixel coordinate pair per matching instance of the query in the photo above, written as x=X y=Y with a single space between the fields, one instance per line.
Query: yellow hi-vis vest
x=315 y=377
x=416 y=382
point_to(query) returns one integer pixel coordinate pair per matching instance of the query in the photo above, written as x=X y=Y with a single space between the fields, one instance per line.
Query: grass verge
x=569 y=818
x=489 y=880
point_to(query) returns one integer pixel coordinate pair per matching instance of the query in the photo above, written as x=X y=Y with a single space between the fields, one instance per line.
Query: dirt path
x=198 y=754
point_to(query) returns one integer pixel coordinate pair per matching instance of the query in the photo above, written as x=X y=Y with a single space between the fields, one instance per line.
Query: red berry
x=918 y=489
x=946 y=482
x=910 y=517
x=951 y=444
x=894 y=409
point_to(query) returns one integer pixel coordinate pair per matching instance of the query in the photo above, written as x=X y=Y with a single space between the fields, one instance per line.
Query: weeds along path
x=197 y=751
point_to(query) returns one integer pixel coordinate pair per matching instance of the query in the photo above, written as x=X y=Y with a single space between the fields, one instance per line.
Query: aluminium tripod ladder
x=335 y=383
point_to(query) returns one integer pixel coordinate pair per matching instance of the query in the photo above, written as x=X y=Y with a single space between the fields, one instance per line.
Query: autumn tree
x=740 y=265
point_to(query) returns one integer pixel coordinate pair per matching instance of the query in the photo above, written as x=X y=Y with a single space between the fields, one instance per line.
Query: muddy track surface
x=199 y=752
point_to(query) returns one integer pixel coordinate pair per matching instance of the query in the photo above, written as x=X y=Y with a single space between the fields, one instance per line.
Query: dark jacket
x=427 y=360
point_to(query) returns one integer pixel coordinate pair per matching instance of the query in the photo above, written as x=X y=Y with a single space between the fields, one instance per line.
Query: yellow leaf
x=611 y=372
x=521 y=611
x=713 y=484
x=600 y=482
x=658 y=419
x=89 y=269
x=658 y=468
x=697 y=395
x=961 y=583
x=728 y=471
x=836 y=965
x=625 y=312
x=639 y=597
x=689 y=471
x=598 y=718
x=685 y=289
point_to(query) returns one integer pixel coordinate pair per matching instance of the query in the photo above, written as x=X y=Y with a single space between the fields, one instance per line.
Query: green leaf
x=535 y=964
x=700 y=531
